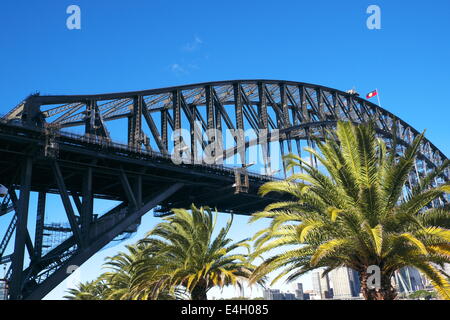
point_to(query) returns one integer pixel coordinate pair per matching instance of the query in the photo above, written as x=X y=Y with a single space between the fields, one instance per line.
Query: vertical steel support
x=21 y=231
x=303 y=104
x=210 y=117
x=87 y=203
x=164 y=134
x=218 y=136
x=284 y=106
x=320 y=103
x=176 y=109
x=262 y=107
x=217 y=115
x=239 y=121
x=137 y=190
x=177 y=119
x=93 y=122
x=135 y=124
x=89 y=118
x=285 y=110
x=263 y=123
x=209 y=107
x=40 y=218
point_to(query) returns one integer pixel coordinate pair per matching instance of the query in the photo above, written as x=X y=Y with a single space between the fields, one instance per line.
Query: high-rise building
x=345 y=283
x=321 y=284
x=316 y=282
x=299 y=295
x=408 y=280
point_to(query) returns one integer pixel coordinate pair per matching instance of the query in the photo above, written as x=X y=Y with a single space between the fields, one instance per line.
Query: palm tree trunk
x=199 y=293
x=385 y=292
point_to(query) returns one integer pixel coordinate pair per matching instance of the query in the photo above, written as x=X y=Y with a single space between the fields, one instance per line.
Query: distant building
x=276 y=294
x=288 y=296
x=408 y=280
x=299 y=295
x=316 y=282
x=272 y=294
x=345 y=282
x=3 y=289
x=321 y=285
x=306 y=296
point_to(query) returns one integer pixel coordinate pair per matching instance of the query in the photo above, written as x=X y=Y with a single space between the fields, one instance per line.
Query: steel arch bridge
x=76 y=146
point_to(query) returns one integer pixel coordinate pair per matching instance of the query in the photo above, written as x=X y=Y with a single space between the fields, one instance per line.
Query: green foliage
x=121 y=277
x=423 y=294
x=179 y=259
x=191 y=258
x=91 y=290
x=356 y=215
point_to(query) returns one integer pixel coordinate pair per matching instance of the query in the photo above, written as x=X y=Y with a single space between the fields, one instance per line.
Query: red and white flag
x=372 y=94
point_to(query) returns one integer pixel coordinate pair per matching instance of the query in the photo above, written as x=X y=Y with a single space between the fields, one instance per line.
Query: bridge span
x=120 y=147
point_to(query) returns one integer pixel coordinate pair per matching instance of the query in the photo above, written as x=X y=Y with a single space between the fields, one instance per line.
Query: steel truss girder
x=300 y=111
x=308 y=103
x=98 y=241
x=72 y=174
x=45 y=272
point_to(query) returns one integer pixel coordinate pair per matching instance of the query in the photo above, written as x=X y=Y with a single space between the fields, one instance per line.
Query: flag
x=372 y=94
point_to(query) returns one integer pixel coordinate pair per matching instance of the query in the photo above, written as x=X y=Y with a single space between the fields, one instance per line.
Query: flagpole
x=378 y=97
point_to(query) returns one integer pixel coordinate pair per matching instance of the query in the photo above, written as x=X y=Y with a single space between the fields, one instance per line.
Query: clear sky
x=137 y=44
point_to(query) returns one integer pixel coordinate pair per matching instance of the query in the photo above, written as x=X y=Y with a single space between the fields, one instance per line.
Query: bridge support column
x=135 y=124
x=40 y=216
x=21 y=231
x=87 y=204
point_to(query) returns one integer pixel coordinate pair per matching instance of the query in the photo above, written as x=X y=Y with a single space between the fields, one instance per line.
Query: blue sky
x=133 y=45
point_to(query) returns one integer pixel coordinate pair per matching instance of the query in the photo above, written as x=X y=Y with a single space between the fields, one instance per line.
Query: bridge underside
x=41 y=154
x=84 y=171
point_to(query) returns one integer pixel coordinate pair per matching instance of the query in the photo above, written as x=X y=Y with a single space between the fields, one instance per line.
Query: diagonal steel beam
x=153 y=129
x=66 y=202
x=127 y=188
x=85 y=253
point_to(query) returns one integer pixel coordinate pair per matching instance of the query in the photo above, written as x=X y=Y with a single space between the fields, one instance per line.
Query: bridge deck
x=210 y=185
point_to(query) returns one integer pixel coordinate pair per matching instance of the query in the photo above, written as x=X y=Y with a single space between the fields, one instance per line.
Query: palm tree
x=122 y=279
x=121 y=273
x=91 y=290
x=126 y=272
x=189 y=257
x=357 y=215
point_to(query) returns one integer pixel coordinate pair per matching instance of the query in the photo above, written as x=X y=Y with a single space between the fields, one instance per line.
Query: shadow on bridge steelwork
x=41 y=153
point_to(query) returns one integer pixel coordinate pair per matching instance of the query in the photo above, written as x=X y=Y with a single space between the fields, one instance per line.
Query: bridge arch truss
x=80 y=140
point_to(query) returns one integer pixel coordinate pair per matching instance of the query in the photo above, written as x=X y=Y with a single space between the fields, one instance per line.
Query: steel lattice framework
x=40 y=153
